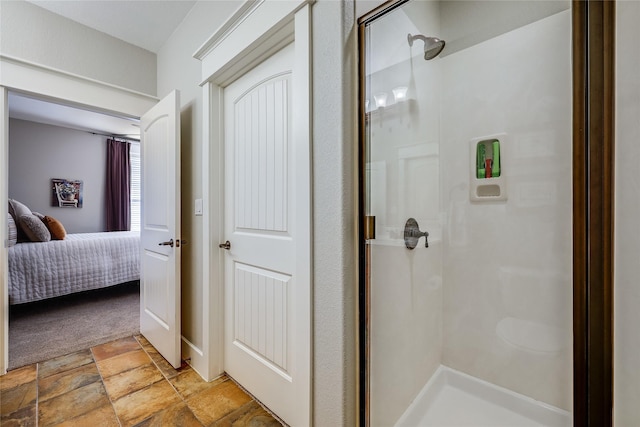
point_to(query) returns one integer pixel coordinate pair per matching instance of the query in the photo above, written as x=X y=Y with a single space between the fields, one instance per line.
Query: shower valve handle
x=412 y=234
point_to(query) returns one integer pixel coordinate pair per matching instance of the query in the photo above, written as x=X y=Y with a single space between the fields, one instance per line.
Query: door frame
x=255 y=31
x=47 y=83
x=593 y=59
x=593 y=210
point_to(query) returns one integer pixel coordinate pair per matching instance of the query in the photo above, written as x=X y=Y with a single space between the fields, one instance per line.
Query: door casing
x=253 y=33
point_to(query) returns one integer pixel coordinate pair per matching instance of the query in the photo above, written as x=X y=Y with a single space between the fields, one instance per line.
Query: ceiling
x=35 y=110
x=147 y=24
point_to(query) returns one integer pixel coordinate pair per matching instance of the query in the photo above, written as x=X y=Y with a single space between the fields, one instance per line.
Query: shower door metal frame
x=593 y=31
x=364 y=257
x=593 y=210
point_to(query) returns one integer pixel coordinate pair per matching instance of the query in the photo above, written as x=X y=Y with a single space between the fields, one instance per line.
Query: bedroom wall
x=34 y=34
x=39 y=152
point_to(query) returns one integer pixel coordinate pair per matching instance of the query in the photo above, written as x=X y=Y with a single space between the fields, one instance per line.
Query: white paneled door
x=267 y=266
x=160 y=228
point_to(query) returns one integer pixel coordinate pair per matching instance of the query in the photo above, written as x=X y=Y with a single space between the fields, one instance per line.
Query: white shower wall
x=507 y=265
x=491 y=296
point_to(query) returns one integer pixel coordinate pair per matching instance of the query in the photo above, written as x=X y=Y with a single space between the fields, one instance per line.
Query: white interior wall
x=34 y=34
x=335 y=240
x=627 y=212
x=39 y=152
x=507 y=265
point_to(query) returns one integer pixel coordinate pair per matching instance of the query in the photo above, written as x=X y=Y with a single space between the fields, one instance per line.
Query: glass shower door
x=467 y=204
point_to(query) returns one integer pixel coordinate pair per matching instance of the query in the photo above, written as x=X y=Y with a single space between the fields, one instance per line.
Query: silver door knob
x=226 y=245
x=169 y=243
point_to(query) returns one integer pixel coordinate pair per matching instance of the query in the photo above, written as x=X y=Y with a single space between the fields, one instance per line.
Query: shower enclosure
x=467 y=179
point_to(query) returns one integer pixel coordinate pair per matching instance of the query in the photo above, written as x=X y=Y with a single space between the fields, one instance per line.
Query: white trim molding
x=246 y=9
x=211 y=365
x=49 y=83
x=4 y=195
x=255 y=32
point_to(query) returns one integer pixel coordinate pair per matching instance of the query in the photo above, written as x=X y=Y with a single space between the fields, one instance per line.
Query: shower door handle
x=412 y=234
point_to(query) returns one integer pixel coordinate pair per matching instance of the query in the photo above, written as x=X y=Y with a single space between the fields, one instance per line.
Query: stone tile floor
x=122 y=383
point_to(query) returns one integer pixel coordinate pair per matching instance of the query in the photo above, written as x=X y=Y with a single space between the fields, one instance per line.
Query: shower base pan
x=452 y=398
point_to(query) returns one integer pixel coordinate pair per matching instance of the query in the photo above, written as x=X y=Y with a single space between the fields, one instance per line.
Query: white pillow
x=18 y=209
x=34 y=228
x=12 y=235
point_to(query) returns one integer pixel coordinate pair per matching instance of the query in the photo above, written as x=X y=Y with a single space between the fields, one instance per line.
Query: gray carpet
x=46 y=329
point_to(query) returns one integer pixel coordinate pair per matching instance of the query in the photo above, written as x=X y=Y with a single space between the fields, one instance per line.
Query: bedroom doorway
x=44 y=138
x=160 y=300
x=51 y=85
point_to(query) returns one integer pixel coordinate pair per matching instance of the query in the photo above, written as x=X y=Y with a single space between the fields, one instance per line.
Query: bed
x=80 y=262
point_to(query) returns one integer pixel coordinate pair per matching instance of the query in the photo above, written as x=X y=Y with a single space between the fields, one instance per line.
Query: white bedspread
x=80 y=262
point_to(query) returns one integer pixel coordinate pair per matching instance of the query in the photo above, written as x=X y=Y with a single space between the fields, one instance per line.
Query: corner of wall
x=334 y=199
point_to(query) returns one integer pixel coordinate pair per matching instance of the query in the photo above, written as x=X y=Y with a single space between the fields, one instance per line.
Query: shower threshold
x=452 y=398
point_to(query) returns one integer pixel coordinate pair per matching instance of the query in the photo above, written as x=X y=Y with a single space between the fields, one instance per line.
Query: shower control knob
x=412 y=234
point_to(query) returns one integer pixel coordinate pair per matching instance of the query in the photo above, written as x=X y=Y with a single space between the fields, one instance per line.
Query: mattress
x=81 y=262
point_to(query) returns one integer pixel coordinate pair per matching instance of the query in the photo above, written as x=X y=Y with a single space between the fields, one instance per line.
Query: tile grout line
x=277 y=418
x=151 y=358
x=167 y=380
x=105 y=387
x=174 y=377
x=223 y=374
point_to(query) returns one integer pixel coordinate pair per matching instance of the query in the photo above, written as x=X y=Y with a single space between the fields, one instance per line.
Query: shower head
x=432 y=46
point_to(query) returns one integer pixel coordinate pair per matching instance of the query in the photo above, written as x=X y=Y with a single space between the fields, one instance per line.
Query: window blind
x=134 y=158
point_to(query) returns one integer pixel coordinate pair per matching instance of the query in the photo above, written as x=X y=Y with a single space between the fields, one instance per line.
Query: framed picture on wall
x=66 y=193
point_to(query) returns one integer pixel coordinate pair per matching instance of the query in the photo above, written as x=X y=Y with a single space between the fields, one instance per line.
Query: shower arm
x=411 y=38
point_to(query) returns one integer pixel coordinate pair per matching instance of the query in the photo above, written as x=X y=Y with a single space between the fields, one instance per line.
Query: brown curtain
x=118 y=186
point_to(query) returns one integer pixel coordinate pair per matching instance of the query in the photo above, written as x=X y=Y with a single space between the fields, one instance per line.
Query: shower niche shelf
x=488 y=182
